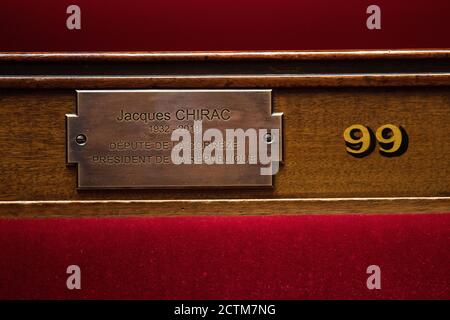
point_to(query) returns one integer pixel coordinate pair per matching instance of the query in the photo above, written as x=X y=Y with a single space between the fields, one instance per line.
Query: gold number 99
x=360 y=140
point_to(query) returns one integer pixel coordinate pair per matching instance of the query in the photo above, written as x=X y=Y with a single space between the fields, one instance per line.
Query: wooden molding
x=235 y=81
x=226 y=55
x=232 y=207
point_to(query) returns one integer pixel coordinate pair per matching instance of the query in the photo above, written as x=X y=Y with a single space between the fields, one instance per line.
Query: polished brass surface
x=122 y=138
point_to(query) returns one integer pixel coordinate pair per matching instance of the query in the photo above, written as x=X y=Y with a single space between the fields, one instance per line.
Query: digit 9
x=360 y=140
x=393 y=140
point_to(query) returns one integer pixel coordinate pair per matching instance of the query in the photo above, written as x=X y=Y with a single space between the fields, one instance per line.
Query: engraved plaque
x=128 y=139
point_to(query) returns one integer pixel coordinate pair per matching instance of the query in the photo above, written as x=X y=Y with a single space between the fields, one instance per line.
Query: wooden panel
x=318 y=175
x=221 y=81
x=33 y=134
x=224 y=55
x=174 y=207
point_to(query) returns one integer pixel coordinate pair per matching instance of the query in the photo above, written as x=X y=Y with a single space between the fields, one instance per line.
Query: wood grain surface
x=317 y=176
x=226 y=55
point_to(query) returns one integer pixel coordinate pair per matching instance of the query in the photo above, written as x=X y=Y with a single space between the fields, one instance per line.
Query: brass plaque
x=174 y=138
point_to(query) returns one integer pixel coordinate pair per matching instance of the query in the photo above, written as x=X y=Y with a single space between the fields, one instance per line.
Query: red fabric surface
x=284 y=257
x=167 y=25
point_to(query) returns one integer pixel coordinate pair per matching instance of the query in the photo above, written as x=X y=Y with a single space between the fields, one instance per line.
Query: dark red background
x=168 y=25
x=289 y=257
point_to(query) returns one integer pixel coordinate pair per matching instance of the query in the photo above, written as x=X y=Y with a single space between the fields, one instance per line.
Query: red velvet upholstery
x=284 y=257
x=167 y=25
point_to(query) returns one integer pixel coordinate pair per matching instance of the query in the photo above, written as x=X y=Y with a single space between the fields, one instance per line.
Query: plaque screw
x=268 y=138
x=81 y=139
